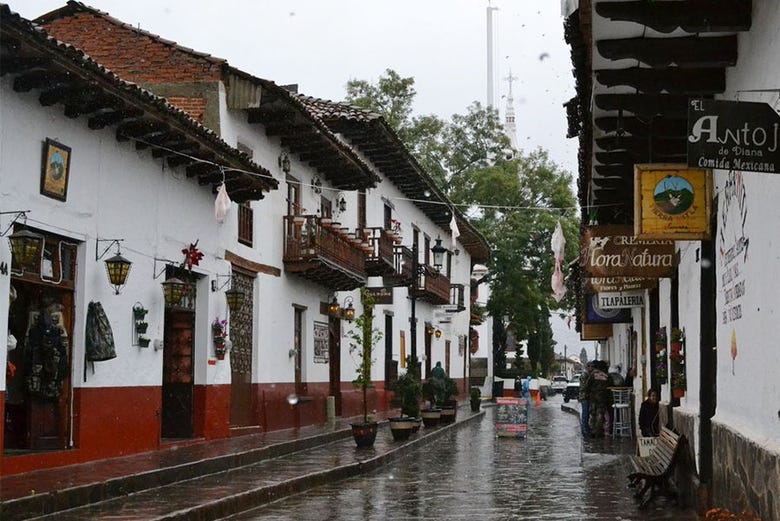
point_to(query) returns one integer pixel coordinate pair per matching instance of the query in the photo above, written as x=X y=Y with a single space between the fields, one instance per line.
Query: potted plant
x=219 y=334
x=361 y=346
x=449 y=405
x=432 y=391
x=141 y=327
x=661 y=366
x=143 y=341
x=475 y=399
x=408 y=392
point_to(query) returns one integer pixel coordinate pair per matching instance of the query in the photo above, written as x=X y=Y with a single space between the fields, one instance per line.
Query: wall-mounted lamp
x=437 y=334
x=284 y=162
x=335 y=309
x=438 y=255
x=117 y=267
x=173 y=288
x=341 y=203
x=26 y=246
x=316 y=185
x=428 y=329
x=235 y=297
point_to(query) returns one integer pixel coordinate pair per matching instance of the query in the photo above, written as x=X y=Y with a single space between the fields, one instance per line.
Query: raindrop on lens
x=427 y=193
x=706 y=263
x=292 y=399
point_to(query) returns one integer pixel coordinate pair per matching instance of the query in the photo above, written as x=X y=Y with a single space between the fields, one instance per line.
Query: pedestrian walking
x=584 y=403
x=438 y=371
x=598 y=395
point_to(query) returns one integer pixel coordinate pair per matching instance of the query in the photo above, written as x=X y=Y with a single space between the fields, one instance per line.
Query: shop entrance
x=177 y=385
x=40 y=325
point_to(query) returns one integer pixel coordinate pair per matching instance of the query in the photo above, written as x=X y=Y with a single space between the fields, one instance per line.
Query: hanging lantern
x=438 y=255
x=349 y=312
x=235 y=299
x=173 y=290
x=333 y=307
x=25 y=248
x=117 y=268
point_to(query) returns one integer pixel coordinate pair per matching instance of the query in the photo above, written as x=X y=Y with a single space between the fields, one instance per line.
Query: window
x=245 y=223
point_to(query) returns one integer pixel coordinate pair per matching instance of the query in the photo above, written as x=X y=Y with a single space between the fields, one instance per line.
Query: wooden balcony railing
x=457 y=298
x=380 y=257
x=433 y=287
x=323 y=254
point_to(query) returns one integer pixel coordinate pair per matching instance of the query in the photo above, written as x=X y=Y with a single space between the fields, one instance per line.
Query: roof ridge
x=74 y=6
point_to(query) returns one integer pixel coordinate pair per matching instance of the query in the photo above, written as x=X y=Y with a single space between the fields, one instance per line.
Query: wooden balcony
x=457 y=299
x=432 y=287
x=324 y=255
x=401 y=274
x=380 y=260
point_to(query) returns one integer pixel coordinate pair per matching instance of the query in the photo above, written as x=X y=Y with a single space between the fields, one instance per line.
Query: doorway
x=177 y=383
x=242 y=412
x=38 y=373
x=334 y=360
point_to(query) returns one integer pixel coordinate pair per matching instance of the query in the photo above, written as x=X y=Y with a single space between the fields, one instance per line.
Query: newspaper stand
x=511 y=417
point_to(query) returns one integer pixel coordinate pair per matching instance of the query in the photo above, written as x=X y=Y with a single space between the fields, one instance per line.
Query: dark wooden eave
x=64 y=75
x=635 y=69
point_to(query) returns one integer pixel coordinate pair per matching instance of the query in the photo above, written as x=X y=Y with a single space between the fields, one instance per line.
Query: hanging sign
x=614 y=251
x=595 y=314
x=733 y=135
x=621 y=300
x=381 y=295
x=672 y=201
x=617 y=284
x=596 y=331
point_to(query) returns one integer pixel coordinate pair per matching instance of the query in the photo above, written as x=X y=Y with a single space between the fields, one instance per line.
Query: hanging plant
x=661 y=363
x=219 y=335
x=677 y=358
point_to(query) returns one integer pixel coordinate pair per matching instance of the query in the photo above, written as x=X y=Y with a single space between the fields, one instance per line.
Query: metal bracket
x=111 y=242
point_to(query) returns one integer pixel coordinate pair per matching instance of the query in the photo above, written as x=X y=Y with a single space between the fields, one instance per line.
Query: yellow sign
x=672 y=201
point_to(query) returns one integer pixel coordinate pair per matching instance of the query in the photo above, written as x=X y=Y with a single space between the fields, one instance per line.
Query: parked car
x=572 y=389
x=559 y=384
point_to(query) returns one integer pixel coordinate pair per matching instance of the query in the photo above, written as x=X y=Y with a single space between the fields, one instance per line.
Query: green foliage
x=520 y=198
x=433 y=390
x=408 y=392
x=362 y=342
x=475 y=394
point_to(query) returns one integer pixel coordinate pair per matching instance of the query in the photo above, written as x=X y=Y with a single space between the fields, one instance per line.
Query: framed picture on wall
x=55 y=170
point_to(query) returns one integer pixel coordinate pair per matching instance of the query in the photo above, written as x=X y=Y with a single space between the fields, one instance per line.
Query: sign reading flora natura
x=671 y=201
x=733 y=135
x=614 y=251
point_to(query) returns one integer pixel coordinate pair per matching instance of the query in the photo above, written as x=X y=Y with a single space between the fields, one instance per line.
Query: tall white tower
x=509 y=119
x=490 y=56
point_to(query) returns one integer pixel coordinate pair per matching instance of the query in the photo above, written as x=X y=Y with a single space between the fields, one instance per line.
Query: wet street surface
x=471 y=474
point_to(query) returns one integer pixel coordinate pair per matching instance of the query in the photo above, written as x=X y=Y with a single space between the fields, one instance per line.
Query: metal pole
x=565 y=367
x=413 y=297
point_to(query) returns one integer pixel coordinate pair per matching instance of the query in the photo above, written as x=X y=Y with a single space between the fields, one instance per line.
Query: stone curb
x=83 y=495
x=263 y=495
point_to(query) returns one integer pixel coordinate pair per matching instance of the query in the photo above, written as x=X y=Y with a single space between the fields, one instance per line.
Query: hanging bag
x=99 y=337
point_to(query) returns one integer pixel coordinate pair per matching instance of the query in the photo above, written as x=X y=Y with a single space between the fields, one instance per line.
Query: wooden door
x=241 y=334
x=334 y=360
x=38 y=383
x=300 y=387
x=177 y=385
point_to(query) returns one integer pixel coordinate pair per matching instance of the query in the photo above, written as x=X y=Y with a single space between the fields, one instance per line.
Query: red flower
x=192 y=255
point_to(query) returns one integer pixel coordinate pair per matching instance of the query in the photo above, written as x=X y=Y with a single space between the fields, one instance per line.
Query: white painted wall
x=114 y=191
x=748 y=386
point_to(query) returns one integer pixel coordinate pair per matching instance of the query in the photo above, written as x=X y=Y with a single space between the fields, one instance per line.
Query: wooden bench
x=656 y=469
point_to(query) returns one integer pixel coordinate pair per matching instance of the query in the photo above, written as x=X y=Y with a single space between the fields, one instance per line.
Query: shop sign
x=621 y=300
x=614 y=251
x=596 y=331
x=672 y=201
x=733 y=135
x=616 y=284
x=381 y=295
x=595 y=314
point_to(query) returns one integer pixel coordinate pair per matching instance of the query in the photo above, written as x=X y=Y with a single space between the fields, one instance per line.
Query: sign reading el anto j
x=733 y=135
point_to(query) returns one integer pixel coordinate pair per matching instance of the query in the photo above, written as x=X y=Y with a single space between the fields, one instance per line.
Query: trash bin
x=498 y=388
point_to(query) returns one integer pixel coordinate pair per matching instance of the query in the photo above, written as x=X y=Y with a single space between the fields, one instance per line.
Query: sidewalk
x=204 y=480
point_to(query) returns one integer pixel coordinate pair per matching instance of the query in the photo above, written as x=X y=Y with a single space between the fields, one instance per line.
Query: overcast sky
x=321 y=44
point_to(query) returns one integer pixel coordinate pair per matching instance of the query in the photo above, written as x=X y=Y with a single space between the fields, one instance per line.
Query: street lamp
x=438 y=254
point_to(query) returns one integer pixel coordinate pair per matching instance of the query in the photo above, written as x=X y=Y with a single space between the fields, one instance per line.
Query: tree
x=583 y=356
x=514 y=199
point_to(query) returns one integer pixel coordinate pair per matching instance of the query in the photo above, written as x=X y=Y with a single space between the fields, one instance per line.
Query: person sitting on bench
x=648 y=415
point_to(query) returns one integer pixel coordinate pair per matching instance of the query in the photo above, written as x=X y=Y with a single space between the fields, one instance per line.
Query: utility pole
x=565 y=368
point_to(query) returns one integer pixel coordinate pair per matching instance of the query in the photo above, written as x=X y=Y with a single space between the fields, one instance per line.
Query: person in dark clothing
x=438 y=371
x=649 y=423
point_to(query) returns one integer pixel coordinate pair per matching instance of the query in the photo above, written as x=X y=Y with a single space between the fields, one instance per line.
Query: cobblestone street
x=470 y=474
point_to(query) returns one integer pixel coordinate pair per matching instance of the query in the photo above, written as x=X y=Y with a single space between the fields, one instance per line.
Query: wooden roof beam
x=693 y=16
x=689 y=51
